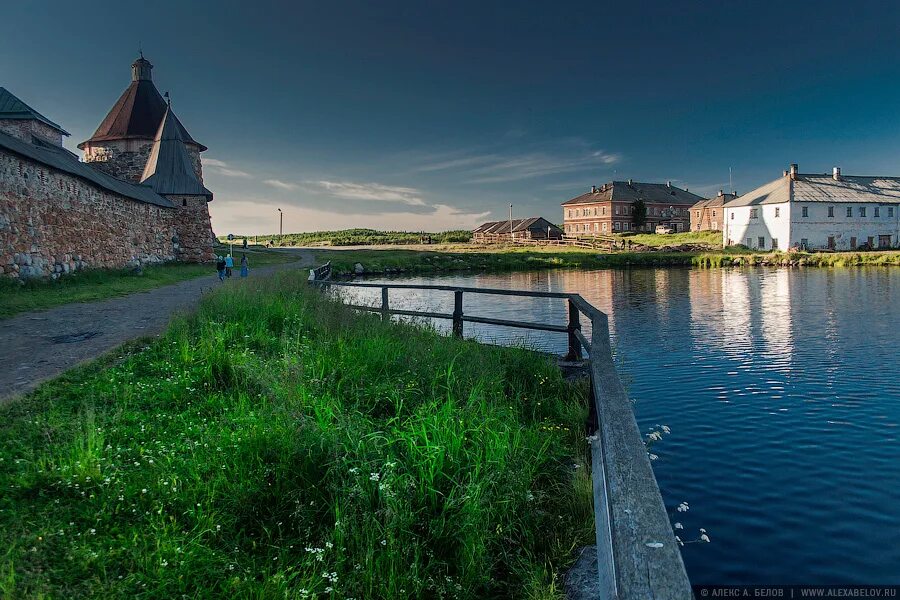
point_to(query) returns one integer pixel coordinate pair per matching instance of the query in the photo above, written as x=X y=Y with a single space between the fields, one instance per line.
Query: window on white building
x=732 y=215
x=877 y=212
x=862 y=211
x=754 y=213
x=762 y=242
x=890 y=211
x=804 y=211
x=778 y=211
x=849 y=211
x=749 y=242
x=804 y=243
x=774 y=243
x=830 y=211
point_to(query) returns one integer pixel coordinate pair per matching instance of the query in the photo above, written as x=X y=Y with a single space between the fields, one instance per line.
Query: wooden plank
x=519 y=324
x=585 y=344
x=647 y=560
x=586 y=308
x=451 y=288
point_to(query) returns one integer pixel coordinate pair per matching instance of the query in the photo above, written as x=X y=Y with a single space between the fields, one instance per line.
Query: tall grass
x=275 y=445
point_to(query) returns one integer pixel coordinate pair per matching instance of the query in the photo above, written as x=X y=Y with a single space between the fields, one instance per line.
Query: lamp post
x=280 y=225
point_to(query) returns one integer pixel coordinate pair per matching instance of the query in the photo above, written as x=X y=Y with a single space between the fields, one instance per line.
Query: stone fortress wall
x=52 y=223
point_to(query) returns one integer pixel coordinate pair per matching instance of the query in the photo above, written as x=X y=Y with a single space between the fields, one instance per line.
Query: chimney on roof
x=140 y=69
x=721 y=193
x=836 y=173
x=630 y=182
x=784 y=173
x=669 y=183
x=593 y=189
x=793 y=171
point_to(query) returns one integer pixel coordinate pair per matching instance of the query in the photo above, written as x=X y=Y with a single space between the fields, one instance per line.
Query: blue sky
x=436 y=115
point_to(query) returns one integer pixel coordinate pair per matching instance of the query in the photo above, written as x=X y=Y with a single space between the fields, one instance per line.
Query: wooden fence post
x=457 y=314
x=385 y=315
x=573 y=326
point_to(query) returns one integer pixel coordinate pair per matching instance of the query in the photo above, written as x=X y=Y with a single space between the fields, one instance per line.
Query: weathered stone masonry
x=52 y=223
x=138 y=197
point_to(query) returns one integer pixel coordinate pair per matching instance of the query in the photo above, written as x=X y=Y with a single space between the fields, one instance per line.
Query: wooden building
x=609 y=208
x=708 y=215
x=532 y=228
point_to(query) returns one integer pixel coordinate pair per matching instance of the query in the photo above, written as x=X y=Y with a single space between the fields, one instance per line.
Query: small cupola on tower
x=140 y=69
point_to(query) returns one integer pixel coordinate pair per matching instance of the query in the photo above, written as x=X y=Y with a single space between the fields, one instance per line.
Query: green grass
x=99 y=284
x=276 y=445
x=361 y=237
x=712 y=239
x=520 y=258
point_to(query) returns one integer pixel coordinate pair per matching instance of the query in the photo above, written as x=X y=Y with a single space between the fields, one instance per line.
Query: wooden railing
x=322 y=273
x=637 y=554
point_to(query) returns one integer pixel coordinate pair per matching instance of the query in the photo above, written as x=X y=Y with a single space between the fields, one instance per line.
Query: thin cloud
x=498 y=167
x=221 y=167
x=371 y=191
x=282 y=185
x=259 y=216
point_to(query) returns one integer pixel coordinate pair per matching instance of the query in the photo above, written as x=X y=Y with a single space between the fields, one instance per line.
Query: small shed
x=532 y=228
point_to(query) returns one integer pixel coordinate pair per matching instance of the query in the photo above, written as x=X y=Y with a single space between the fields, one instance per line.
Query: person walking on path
x=220 y=267
x=245 y=266
x=229 y=265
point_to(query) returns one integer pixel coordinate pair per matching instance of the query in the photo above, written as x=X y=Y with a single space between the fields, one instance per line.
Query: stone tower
x=122 y=143
x=170 y=172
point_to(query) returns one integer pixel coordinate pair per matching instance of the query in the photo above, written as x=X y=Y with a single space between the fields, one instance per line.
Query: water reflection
x=781 y=391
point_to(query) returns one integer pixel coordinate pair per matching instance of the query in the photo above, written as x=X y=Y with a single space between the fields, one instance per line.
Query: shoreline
x=359 y=261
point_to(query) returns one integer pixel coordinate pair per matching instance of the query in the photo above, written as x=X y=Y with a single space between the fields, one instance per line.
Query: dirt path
x=40 y=345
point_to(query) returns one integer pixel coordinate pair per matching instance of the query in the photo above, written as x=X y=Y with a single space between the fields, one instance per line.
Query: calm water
x=781 y=391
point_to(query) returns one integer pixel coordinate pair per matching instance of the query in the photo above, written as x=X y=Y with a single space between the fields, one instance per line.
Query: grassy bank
x=502 y=258
x=276 y=445
x=362 y=237
x=99 y=284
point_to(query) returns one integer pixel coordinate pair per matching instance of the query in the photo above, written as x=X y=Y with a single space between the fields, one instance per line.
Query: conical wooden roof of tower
x=169 y=170
x=138 y=111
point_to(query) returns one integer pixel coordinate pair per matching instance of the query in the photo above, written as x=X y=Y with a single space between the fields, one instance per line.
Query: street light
x=280 y=225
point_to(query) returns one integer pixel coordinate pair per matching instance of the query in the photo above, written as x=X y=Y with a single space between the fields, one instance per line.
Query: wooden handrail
x=637 y=554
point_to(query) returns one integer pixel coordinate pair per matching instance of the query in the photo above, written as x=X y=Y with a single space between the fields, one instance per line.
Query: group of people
x=224 y=266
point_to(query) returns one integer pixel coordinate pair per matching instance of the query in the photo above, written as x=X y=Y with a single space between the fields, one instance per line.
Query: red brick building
x=708 y=215
x=609 y=208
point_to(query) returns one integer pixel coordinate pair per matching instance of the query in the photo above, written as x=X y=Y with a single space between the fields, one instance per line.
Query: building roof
x=169 y=169
x=517 y=225
x=13 y=108
x=817 y=187
x=629 y=191
x=61 y=159
x=138 y=111
x=715 y=201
